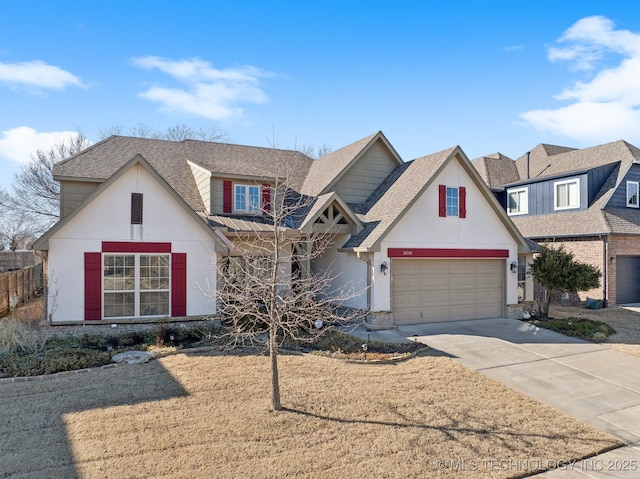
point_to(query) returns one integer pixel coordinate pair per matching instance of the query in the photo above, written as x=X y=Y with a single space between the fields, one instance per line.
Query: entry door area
x=627 y=279
x=435 y=290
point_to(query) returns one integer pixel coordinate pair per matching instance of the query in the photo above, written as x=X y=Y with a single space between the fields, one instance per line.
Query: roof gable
x=327 y=170
x=410 y=183
x=43 y=242
x=170 y=159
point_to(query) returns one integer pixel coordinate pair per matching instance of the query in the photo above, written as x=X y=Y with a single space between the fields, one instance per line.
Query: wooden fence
x=17 y=287
x=11 y=260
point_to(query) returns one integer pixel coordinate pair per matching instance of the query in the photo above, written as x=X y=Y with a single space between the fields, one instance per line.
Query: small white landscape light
x=114 y=325
x=318 y=324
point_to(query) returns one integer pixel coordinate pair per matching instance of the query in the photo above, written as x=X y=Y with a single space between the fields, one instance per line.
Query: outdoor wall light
x=384 y=268
x=514 y=267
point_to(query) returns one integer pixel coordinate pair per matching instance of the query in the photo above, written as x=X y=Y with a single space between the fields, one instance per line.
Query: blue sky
x=486 y=75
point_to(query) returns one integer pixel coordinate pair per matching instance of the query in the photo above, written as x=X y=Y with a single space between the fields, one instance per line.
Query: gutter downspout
x=369 y=278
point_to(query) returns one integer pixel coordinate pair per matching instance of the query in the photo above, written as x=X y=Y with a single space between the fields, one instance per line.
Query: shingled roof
x=169 y=159
x=402 y=188
x=549 y=161
x=328 y=169
x=496 y=170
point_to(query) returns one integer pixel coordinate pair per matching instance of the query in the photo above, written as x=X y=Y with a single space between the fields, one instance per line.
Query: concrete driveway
x=597 y=385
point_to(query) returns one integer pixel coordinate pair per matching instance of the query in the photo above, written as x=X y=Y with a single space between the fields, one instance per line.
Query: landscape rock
x=133 y=357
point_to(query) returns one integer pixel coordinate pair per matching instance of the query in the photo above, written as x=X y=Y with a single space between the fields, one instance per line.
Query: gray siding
x=202 y=178
x=619 y=197
x=217 y=196
x=366 y=174
x=217 y=192
x=597 y=178
x=541 y=195
x=73 y=193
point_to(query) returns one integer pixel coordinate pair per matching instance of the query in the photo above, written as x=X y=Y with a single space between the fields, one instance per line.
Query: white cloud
x=206 y=91
x=19 y=144
x=37 y=75
x=605 y=106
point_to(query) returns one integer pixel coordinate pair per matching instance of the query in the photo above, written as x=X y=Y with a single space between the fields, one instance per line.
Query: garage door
x=430 y=290
x=627 y=279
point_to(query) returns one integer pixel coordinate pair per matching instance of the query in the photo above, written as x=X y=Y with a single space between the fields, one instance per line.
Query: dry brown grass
x=204 y=416
x=626 y=322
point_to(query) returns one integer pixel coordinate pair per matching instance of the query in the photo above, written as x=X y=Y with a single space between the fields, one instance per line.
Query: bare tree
x=313 y=151
x=35 y=195
x=177 y=132
x=16 y=231
x=267 y=290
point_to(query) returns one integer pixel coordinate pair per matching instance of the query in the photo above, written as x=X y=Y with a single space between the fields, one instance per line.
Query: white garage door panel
x=447 y=290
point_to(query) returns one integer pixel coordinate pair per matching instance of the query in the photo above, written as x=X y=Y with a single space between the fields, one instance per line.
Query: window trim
x=525 y=210
x=555 y=194
x=137 y=290
x=457 y=200
x=637 y=185
x=246 y=186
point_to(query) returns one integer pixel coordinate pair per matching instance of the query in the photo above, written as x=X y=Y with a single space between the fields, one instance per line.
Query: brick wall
x=590 y=251
x=619 y=246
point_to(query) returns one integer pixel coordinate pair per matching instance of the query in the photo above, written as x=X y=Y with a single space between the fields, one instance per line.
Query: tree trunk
x=275 y=381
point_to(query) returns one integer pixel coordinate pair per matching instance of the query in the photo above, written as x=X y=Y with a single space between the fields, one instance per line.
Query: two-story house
x=144 y=224
x=585 y=200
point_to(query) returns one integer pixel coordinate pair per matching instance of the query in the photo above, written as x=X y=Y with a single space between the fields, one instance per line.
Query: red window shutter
x=178 y=284
x=463 y=202
x=92 y=286
x=227 y=207
x=442 y=201
x=266 y=198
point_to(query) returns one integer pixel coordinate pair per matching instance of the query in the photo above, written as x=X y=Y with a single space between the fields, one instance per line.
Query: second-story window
x=452 y=201
x=246 y=198
x=632 y=194
x=518 y=202
x=567 y=194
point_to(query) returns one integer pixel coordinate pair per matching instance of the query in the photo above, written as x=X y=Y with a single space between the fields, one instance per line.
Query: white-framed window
x=452 y=201
x=246 y=198
x=518 y=201
x=632 y=194
x=566 y=194
x=136 y=285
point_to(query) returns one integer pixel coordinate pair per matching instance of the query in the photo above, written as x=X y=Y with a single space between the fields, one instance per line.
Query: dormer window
x=567 y=194
x=632 y=194
x=518 y=202
x=246 y=198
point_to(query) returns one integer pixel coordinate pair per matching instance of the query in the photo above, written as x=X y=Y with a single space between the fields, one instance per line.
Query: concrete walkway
x=594 y=384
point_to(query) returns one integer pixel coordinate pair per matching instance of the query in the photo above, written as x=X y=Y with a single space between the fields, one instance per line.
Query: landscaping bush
x=582 y=328
x=14 y=336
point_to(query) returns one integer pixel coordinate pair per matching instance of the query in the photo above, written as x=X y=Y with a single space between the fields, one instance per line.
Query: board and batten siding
x=366 y=174
x=72 y=193
x=202 y=178
x=541 y=195
x=597 y=178
x=619 y=197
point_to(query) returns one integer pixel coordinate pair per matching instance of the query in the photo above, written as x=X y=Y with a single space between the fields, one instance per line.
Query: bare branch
x=268 y=290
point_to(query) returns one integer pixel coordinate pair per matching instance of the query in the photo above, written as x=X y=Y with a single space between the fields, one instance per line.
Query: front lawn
x=201 y=415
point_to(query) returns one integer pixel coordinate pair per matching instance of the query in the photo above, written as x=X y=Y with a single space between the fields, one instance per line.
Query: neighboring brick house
x=144 y=223
x=586 y=200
